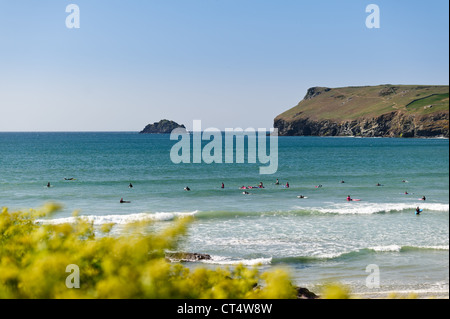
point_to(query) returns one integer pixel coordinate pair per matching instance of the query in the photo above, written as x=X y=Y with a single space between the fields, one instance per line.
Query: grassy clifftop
x=350 y=103
x=356 y=107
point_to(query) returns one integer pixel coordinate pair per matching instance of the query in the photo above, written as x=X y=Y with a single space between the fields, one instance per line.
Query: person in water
x=124 y=202
x=130 y=186
x=261 y=185
x=223 y=185
x=418 y=211
x=378 y=184
x=424 y=198
x=48 y=185
x=301 y=196
x=287 y=184
x=349 y=199
x=187 y=188
x=277 y=182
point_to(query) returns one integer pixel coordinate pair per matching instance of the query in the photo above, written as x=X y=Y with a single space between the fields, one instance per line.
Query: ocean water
x=319 y=239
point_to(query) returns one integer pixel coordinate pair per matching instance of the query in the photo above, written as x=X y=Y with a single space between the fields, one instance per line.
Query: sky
x=228 y=63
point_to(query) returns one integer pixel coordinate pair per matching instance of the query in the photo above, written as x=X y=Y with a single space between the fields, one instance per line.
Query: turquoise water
x=320 y=238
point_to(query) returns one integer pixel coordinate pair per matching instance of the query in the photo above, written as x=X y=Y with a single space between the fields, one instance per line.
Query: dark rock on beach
x=162 y=127
x=304 y=293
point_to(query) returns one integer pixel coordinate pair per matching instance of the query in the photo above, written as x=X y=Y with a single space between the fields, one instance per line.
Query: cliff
x=371 y=111
x=161 y=127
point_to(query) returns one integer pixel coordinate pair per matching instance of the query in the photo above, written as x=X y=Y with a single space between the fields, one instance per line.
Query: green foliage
x=34 y=257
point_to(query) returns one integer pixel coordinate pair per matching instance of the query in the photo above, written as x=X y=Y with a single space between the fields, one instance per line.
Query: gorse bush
x=34 y=258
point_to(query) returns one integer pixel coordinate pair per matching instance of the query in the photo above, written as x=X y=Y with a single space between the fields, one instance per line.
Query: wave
x=220 y=260
x=304 y=260
x=120 y=219
x=355 y=254
x=344 y=209
x=379 y=208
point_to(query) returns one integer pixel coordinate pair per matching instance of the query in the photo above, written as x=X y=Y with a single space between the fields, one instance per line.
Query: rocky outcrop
x=394 y=124
x=161 y=127
x=186 y=257
x=304 y=293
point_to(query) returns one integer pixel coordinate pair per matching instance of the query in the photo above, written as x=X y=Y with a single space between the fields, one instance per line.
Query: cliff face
x=393 y=124
x=385 y=111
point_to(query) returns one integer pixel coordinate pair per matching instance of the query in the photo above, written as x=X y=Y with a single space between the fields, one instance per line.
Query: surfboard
x=302 y=197
x=356 y=200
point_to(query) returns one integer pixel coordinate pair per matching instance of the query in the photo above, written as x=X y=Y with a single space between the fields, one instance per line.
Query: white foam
x=373 y=208
x=393 y=248
x=120 y=219
x=219 y=260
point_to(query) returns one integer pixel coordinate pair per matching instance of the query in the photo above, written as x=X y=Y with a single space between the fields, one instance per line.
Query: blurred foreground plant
x=34 y=257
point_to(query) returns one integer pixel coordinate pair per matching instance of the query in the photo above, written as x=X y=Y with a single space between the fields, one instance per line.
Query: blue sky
x=229 y=63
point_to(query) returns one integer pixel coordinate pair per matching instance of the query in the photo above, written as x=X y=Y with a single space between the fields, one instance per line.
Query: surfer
x=301 y=196
x=287 y=184
x=187 y=188
x=246 y=193
x=261 y=185
x=349 y=199
x=424 y=198
x=277 y=182
x=418 y=211
x=124 y=202
x=342 y=182
x=378 y=184
x=48 y=185
x=69 y=179
x=130 y=186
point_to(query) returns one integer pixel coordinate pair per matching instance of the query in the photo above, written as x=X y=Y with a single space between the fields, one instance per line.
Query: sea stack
x=161 y=127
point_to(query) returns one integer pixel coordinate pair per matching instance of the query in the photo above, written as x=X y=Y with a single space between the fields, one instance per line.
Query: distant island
x=369 y=111
x=161 y=127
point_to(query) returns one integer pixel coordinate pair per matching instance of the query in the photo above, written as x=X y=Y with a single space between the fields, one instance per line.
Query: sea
x=375 y=246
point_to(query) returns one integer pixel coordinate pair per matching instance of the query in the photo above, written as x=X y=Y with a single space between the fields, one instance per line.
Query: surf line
x=213 y=152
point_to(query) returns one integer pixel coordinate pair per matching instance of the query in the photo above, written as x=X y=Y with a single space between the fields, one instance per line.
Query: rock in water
x=186 y=257
x=162 y=127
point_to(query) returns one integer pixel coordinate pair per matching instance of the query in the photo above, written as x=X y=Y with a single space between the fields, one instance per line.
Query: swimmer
x=245 y=193
x=277 y=182
x=287 y=184
x=223 y=185
x=261 y=185
x=130 y=186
